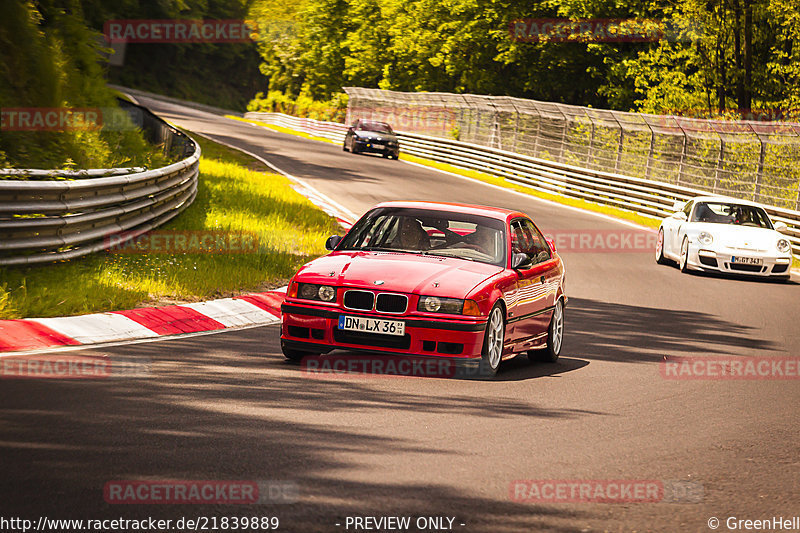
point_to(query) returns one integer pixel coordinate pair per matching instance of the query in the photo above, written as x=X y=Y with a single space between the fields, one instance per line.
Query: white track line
x=340 y=210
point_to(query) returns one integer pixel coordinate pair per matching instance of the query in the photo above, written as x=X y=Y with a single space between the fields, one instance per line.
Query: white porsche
x=719 y=234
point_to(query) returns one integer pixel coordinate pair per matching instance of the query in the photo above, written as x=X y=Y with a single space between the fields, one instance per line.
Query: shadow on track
x=617 y=332
x=216 y=410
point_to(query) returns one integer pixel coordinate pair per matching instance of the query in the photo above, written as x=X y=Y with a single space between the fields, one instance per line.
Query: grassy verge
x=234 y=195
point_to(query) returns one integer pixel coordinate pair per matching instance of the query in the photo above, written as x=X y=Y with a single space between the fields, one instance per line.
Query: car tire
x=344 y=147
x=555 y=337
x=386 y=156
x=354 y=148
x=493 y=339
x=660 y=259
x=683 y=263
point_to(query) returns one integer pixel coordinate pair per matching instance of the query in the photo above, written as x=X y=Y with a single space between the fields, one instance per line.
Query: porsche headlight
x=784 y=246
x=312 y=291
x=434 y=304
x=705 y=238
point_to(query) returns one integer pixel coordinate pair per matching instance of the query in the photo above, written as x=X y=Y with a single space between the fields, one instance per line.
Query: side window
x=539 y=250
x=527 y=239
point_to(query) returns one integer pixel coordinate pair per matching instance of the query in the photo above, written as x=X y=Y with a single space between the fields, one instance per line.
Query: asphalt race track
x=227 y=406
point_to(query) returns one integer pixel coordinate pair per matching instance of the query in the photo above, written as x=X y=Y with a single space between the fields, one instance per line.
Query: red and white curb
x=248 y=310
x=147 y=322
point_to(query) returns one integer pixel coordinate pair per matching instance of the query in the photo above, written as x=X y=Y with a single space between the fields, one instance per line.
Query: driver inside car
x=411 y=236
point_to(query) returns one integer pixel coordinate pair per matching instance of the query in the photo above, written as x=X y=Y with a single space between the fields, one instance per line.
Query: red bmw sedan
x=475 y=284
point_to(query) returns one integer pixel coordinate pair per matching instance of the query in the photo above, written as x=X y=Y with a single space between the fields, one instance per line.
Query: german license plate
x=747 y=260
x=372 y=325
x=378 y=145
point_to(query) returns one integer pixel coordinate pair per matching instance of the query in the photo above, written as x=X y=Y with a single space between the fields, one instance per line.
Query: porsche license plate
x=372 y=325
x=747 y=260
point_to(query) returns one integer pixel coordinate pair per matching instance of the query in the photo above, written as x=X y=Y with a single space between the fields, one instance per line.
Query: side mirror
x=332 y=242
x=552 y=245
x=781 y=227
x=677 y=205
x=520 y=261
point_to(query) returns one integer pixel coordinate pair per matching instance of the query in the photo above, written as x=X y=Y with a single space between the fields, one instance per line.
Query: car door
x=536 y=284
x=672 y=230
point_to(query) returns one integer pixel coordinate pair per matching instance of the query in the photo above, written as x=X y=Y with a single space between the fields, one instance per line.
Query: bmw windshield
x=429 y=232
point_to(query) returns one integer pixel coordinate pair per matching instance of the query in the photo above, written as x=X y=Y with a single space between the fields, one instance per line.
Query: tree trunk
x=748 y=54
x=737 y=55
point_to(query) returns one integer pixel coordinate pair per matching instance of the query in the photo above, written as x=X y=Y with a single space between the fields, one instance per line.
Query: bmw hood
x=399 y=272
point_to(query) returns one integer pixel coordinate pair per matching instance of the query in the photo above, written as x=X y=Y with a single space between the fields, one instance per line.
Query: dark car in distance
x=367 y=136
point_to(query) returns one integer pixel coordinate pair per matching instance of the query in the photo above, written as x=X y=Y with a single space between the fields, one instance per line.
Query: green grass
x=234 y=195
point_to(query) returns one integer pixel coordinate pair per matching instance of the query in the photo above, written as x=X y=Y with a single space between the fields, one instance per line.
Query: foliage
x=51 y=60
x=333 y=110
x=715 y=56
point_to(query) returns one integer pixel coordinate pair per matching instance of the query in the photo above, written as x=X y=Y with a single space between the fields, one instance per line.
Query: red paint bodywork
x=527 y=296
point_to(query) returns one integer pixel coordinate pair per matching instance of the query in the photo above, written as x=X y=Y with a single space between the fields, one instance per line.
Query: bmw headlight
x=784 y=246
x=705 y=238
x=434 y=304
x=312 y=291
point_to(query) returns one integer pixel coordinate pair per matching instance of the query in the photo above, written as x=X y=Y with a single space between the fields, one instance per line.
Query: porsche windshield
x=441 y=233
x=731 y=213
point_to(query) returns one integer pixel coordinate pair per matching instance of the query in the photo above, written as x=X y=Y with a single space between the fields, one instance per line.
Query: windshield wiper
x=439 y=254
x=384 y=249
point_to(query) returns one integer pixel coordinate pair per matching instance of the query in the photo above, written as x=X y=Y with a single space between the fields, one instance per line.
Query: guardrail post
x=619 y=148
x=560 y=158
x=718 y=169
x=683 y=156
x=538 y=133
x=650 y=153
x=757 y=187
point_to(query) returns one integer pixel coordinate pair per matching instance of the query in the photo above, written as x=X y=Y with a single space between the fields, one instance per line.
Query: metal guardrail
x=50 y=215
x=644 y=197
x=751 y=159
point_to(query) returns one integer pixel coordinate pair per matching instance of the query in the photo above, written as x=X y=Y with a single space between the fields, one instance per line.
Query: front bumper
x=367 y=146
x=315 y=329
x=721 y=260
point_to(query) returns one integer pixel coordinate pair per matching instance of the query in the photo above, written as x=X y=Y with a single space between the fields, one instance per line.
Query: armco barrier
x=645 y=197
x=56 y=215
